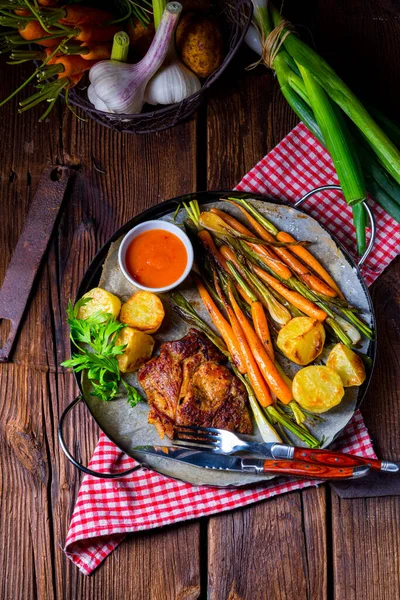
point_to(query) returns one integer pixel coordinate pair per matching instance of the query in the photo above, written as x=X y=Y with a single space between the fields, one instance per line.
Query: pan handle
x=370 y=214
x=74 y=461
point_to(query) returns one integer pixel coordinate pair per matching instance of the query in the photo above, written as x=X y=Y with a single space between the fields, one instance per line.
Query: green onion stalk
x=322 y=100
x=120 y=47
x=272 y=413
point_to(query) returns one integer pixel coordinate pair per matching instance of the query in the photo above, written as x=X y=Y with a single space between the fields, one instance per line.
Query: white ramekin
x=147 y=226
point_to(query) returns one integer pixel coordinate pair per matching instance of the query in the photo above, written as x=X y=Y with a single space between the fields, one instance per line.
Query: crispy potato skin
x=143 y=311
x=317 y=388
x=139 y=348
x=347 y=364
x=199 y=43
x=101 y=301
x=302 y=340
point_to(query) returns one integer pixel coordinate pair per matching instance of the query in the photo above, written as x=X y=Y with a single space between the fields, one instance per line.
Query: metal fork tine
x=209 y=430
x=195 y=437
x=187 y=444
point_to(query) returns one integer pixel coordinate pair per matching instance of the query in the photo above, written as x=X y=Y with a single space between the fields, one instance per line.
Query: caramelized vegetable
x=317 y=388
x=143 y=311
x=100 y=301
x=302 y=340
x=347 y=364
x=139 y=348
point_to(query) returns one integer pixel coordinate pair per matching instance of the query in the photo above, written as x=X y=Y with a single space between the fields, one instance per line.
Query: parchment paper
x=128 y=426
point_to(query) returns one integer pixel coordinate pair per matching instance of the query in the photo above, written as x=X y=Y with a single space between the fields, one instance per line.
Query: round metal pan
x=91 y=279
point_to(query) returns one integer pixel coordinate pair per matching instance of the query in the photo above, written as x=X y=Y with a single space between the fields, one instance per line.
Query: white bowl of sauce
x=156 y=256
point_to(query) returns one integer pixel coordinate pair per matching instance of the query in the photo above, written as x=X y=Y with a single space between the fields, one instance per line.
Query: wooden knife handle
x=314 y=471
x=335 y=459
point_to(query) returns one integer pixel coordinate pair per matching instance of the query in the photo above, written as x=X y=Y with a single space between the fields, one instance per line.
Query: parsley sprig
x=99 y=332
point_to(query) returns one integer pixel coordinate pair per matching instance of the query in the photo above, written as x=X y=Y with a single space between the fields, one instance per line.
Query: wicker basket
x=235 y=19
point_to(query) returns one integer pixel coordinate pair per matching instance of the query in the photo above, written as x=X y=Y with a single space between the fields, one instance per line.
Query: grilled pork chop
x=187 y=385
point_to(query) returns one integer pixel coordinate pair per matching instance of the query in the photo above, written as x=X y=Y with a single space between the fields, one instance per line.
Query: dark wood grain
x=305 y=545
x=117 y=177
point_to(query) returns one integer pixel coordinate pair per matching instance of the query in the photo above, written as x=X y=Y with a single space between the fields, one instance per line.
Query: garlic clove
x=172 y=83
x=121 y=86
x=94 y=99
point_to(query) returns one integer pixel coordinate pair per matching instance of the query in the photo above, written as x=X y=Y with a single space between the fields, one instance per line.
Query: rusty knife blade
x=29 y=251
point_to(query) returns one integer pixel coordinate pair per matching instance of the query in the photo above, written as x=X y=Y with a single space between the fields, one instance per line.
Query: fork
x=226 y=442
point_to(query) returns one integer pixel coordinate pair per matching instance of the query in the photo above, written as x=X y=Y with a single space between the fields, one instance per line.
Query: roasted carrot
x=272 y=261
x=258 y=382
x=270 y=373
x=93 y=33
x=228 y=254
x=234 y=223
x=222 y=325
x=237 y=330
x=309 y=278
x=309 y=260
x=266 y=254
x=262 y=329
x=73 y=65
x=307 y=307
x=96 y=51
x=210 y=246
x=84 y=15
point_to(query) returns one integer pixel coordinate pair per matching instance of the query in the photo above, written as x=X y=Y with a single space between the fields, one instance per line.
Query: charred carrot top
x=222 y=325
x=309 y=260
x=262 y=329
x=307 y=307
x=265 y=364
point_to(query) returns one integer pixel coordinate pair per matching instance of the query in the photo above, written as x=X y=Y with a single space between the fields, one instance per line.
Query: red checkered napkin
x=107 y=510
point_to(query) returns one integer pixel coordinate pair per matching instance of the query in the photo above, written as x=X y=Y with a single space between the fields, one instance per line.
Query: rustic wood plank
x=118 y=177
x=365 y=533
x=271 y=549
x=102 y=202
x=263 y=549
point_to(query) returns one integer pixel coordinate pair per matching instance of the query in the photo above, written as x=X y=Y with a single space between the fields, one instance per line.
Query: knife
x=221 y=462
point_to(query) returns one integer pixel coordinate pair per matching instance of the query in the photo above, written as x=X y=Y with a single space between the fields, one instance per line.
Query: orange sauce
x=156 y=258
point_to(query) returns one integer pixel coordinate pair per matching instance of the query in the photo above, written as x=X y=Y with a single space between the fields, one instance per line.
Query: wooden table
x=305 y=545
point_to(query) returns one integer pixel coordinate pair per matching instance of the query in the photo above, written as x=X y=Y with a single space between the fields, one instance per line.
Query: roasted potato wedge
x=139 y=348
x=317 y=388
x=302 y=340
x=101 y=301
x=143 y=311
x=347 y=364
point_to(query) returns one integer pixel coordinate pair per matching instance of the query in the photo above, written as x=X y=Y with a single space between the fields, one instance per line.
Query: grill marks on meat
x=187 y=385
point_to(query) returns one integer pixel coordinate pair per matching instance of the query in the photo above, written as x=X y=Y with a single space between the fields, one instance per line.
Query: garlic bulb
x=119 y=87
x=172 y=83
